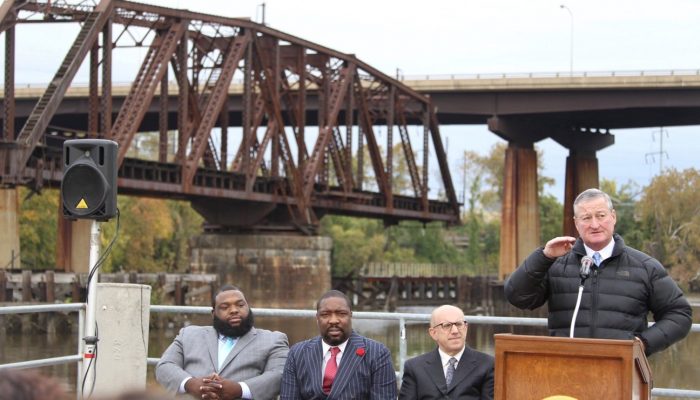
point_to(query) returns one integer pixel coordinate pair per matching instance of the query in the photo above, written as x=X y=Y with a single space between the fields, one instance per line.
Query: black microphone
x=585 y=271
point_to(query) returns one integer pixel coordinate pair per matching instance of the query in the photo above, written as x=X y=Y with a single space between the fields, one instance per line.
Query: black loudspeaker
x=89 y=186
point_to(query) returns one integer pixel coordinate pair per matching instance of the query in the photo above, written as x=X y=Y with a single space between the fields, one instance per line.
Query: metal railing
x=544 y=75
x=45 y=362
x=401 y=318
x=435 y=77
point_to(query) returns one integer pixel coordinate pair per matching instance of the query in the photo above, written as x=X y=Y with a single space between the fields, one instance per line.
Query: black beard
x=332 y=341
x=225 y=329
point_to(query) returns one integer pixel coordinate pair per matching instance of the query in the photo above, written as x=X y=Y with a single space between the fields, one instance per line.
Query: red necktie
x=331 y=369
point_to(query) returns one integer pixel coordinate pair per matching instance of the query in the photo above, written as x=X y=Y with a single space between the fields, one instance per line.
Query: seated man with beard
x=230 y=360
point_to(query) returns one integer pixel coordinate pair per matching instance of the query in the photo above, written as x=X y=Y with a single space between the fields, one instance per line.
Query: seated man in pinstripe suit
x=338 y=364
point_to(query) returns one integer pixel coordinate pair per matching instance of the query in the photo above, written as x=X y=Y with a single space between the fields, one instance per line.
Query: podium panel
x=537 y=367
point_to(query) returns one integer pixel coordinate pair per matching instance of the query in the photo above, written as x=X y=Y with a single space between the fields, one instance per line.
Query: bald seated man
x=452 y=370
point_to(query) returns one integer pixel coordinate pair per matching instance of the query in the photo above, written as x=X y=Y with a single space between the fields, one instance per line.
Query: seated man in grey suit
x=453 y=370
x=338 y=364
x=230 y=360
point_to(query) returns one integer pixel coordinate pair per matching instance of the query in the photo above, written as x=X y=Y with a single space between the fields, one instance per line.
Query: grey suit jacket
x=365 y=372
x=424 y=377
x=257 y=359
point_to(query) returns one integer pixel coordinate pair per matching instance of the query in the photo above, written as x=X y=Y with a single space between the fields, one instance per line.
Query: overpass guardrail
x=401 y=318
x=434 y=77
x=567 y=74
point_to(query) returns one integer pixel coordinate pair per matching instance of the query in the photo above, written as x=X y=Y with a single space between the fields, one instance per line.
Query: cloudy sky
x=489 y=36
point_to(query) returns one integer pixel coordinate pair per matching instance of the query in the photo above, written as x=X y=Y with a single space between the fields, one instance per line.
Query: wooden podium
x=538 y=367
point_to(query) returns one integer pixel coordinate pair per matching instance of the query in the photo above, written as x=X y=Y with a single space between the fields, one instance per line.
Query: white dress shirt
x=605 y=252
x=327 y=354
x=445 y=359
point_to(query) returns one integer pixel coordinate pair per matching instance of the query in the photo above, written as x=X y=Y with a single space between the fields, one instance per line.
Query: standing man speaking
x=624 y=286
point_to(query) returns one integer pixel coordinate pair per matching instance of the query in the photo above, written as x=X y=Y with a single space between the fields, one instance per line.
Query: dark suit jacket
x=424 y=378
x=362 y=374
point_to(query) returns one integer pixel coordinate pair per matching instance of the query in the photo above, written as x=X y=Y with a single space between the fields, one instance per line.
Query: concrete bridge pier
x=73 y=244
x=9 y=234
x=581 y=174
x=581 y=169
x=520 y=216
x=273 y=270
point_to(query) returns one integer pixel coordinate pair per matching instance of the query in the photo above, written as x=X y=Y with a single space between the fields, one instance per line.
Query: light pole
x=571 y=53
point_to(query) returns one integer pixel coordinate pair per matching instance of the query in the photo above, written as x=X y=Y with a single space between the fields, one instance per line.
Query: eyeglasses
x=447 y=326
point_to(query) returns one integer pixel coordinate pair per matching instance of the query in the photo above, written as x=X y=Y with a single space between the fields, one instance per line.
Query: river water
x=676 y=367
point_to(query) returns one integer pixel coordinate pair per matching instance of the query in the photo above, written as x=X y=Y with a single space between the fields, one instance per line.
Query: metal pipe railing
x=44 y=362
x=400 y=318
x=432 y=77
x=39 y=308
x=549 y=75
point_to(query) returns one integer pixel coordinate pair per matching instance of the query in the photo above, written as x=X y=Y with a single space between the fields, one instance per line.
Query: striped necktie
x=596 y=259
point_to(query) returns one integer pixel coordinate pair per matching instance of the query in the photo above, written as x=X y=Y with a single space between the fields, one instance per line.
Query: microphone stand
x=578 y=304
x=585 y=271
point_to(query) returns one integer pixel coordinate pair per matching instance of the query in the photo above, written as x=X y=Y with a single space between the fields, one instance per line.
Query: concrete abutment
x=273 y=270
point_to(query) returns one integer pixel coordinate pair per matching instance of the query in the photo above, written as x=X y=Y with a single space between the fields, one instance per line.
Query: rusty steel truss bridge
x=308 y=118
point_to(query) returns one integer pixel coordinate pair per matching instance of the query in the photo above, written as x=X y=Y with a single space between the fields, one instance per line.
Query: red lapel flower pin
x=360 y=352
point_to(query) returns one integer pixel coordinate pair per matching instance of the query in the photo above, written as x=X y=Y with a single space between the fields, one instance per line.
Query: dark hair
x=334 y=293
x=224 y=288
x=29 y=385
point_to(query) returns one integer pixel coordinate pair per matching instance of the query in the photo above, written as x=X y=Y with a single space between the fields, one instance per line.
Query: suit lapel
x=241 y=343
x=211 y=340
x=436 y=372
x=464 y=367
x=348 y=365
x=313 y=354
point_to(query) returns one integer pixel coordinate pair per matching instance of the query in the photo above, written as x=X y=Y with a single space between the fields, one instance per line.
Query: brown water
x=676 y=367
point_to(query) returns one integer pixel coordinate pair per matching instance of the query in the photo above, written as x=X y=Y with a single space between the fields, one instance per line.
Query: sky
x=445 y=37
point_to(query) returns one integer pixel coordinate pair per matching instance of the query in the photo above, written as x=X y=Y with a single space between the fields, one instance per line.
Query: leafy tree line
x=153 y=233
x=662 y=219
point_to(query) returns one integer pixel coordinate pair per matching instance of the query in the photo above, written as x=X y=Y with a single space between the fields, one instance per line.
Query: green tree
x=38 y=224
x=485 y=172
x=187 y=223
x=427 y=241
x=670 y=210
x=551 y=217
x=482 y=230
x=153 y=235
x=356 y=241
x=624 y=201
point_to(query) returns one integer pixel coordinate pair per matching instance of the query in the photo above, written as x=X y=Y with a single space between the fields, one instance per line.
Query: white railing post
x=89 y=336
x=402 y=345
x=81 y=349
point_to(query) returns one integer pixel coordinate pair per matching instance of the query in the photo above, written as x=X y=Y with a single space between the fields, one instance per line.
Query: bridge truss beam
x=284 y=171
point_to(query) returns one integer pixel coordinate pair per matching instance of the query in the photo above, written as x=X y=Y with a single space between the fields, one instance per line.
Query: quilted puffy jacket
x=616 y=300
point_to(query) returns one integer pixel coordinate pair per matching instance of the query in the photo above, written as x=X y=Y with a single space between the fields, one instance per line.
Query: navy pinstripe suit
x=368 y=376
